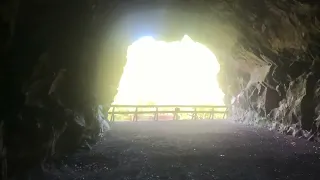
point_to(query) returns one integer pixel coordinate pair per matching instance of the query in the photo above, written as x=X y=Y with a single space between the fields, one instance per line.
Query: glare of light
x=180 y=72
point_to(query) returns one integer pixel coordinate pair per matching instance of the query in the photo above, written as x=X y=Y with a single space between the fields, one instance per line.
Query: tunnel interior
x=62 y=61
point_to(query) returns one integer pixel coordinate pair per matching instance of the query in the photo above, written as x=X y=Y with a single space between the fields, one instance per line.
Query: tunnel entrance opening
x=180 y=72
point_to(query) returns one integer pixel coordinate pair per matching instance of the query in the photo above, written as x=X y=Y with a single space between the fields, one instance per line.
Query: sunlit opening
x=165 y=73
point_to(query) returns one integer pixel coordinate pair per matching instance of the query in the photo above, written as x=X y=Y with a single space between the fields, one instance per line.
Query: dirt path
x=193 y=150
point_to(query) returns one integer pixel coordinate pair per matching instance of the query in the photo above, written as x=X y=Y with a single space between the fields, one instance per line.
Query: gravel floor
x=192 y=150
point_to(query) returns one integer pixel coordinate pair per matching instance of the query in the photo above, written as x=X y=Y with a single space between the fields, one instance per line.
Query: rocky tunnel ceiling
x=169 y=24
x=61 y=60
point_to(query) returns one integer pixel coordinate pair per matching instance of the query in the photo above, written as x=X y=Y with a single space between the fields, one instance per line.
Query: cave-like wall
x=282 y=93
x=62 y=60
x=49 y=106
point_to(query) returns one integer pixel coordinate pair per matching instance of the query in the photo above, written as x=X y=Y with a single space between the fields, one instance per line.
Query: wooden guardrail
x=176 y=110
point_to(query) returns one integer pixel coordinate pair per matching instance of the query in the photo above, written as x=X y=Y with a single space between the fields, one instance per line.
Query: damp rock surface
x=61 y=61
x=191 y=150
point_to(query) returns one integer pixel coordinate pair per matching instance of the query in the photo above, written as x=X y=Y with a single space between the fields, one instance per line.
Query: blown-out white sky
x=180 y=72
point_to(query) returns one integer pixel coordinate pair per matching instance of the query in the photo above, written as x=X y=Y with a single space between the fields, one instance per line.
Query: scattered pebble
x=167 y=159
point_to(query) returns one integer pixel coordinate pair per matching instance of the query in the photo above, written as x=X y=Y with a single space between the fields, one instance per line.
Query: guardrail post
x=176 y=111
x=156 y=116
x=212 y=113
x=195 y=114
x=135 y=118
x=112 y=114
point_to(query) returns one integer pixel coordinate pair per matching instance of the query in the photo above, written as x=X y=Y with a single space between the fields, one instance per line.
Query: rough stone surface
x=189 y=150
x=62 y=60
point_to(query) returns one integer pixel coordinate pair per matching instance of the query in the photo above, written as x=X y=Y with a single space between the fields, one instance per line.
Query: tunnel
x=61 y=63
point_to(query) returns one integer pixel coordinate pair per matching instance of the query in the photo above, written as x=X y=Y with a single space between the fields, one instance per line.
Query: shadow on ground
x=191 y=150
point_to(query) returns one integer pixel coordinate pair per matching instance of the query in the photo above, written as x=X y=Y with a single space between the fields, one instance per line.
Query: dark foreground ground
x=193 y=150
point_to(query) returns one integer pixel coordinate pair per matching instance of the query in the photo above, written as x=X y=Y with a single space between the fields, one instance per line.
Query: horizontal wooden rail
x=177 y=110
x=180 y=112
x=167 y=106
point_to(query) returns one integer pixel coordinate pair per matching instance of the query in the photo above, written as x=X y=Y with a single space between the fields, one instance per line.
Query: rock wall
x=62 y=60
x=48 y=103
x=291 y=107
x=286 y=98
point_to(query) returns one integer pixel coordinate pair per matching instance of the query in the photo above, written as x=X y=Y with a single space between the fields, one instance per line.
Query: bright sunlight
x=166 y=73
